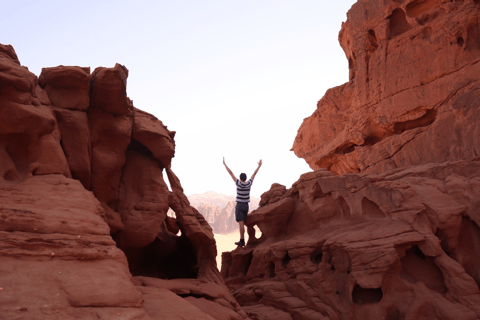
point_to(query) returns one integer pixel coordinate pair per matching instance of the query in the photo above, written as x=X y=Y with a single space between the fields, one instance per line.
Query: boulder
x=68 y=87
x=109 y=90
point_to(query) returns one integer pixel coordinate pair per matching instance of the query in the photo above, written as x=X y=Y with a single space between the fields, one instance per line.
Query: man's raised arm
x=229 y=171
x=255 y=173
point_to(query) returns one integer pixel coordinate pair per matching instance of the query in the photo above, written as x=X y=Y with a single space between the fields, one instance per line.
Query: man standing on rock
x=243 y=198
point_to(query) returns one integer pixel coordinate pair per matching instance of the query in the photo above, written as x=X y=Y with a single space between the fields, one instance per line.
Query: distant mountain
x=215 y=198
x=218 y=209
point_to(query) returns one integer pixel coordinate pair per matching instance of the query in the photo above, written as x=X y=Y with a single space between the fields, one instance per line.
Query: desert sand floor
x=226 y=242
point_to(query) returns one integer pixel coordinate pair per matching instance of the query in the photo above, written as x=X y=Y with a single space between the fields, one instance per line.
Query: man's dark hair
x=243 y=176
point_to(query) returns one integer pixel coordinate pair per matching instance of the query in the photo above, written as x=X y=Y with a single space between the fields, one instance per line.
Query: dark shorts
x=241 y=211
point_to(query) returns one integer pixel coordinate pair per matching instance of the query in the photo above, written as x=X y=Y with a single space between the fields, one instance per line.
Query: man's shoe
x=240 y=243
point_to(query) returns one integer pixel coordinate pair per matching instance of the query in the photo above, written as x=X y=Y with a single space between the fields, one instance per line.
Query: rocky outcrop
x=387 y=226
x=398 y=245
x=83 y=205
x=413 y=93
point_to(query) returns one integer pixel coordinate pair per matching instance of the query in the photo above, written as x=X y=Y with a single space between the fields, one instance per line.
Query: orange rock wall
x=83 y=205
x=413 y=93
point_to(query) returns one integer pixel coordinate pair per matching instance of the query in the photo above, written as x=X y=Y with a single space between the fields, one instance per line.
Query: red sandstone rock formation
x=398 y=245
x=391 y=229
x=413 y=92
x=83 y=205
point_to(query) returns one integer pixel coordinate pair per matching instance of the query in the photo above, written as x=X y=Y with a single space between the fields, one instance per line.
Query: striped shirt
x=243 y=190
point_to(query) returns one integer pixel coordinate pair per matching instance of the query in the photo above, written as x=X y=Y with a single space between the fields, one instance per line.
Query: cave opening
x=171 y=257
x=366 y=296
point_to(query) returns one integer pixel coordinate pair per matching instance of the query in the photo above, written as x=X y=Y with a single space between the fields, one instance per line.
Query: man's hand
x=259 y=162
x=224 y=161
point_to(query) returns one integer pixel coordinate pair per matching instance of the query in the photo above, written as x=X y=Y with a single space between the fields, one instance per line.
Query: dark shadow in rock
x=416 y=267
x=317 y=255
x=366 y=296
x=286 y=260
x=371 y=209
x=345 y=208
x=249 y=262
x=165 y=258
x=427 y=119
x=418 y=7
x=271 y=270
x=467 y=252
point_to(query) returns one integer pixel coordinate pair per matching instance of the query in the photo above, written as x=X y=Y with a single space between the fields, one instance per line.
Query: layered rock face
x=387 y=226
x=399 y=245
x=83 y=205
x=413 y=92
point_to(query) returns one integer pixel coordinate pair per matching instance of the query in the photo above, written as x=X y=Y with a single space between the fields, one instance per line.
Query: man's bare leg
x=241 y=226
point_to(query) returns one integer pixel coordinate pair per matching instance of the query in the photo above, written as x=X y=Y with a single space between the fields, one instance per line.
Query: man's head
x=243 y=177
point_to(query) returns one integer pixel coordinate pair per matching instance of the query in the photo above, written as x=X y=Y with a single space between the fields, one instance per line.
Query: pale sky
x=232 y=78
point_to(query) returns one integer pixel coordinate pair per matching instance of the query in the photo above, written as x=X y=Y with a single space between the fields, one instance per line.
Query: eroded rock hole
x=418 y=7
x=140 y=148
x=366 y=296
x=249 y=262
x=371 y=209
x=417 y=267
x=372 y=41
x=427 y=119
x=398 y=23
x=460 y=41
x=167 y=258
x=286 y=260
x=317 y=255
x=467 y=252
